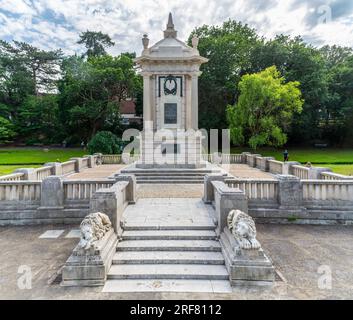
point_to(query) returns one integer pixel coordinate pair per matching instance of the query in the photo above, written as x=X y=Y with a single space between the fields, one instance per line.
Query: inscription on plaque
x=170 y=113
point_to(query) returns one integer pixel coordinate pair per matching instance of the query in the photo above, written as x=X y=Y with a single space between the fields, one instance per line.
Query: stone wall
x=54 y=200
x=289 y=199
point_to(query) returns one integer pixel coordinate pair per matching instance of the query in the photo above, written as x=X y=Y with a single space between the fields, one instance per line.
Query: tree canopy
x=95 y=43
x=264 y=110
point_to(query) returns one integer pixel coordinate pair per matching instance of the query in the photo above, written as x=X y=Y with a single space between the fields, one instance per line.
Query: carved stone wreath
x=170 y=85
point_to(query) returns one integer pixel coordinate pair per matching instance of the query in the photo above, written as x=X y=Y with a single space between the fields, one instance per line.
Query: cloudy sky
x=51 y=24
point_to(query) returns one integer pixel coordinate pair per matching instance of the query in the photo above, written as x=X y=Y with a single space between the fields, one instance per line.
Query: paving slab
x=158 y=285
x=51 y=234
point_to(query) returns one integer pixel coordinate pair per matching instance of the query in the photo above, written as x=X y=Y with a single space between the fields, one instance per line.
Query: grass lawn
x=37 y=156
x=15 y=158
x=304 y=155
x=346 y=169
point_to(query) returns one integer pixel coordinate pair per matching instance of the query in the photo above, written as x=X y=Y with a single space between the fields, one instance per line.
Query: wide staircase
x=178 y=257
x=170 y=176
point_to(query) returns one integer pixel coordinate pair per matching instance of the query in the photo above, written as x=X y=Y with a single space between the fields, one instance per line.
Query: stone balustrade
x=13 y=177
x=54 y=200
x=275 y=167
x=18 y=191
x=300 y=171
x=84 y=189
x=256 y=189
x=323 y=192
x=288 y=199
x=334 y=176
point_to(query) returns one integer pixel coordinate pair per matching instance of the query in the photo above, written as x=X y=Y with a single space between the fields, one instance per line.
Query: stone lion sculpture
x=242 y=226
x=93 y=228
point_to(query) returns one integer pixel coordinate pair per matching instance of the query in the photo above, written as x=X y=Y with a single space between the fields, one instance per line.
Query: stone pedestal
x=225 y=200
x=90 y=267
x=245 y=267
x=208 y=194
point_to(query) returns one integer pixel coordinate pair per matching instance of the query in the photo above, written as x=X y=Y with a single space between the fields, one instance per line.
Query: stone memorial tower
x=170 y=70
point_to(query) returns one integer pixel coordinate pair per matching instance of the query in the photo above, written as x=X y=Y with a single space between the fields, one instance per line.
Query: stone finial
x=170 y=31
x=145 y=41
x=195 y=42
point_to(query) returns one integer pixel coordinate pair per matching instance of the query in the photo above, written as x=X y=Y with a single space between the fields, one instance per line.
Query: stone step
x=181 y=177
x=130 y=226
x=169 y=171
x=168 y=271
x=170 y=181
x=158 y=285
x=167 y=174
x=168 y=257
x=169 y=235
x=169 y=245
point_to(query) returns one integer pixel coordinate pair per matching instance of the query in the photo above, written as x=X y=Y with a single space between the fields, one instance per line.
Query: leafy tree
x=43 y=66
x=105 y=142
x=91 y=92
x=6 y=130
x=95 y=43
x=228 y=48
x=39 y=119
x=265 y=108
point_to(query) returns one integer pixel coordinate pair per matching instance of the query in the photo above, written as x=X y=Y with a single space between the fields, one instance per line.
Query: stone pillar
x=56 y=168
x=111 y=202
x=78 y=164
x=188 y=100
x=29 y=173
x=315 y=172
x=147 y=110
x=91 y=162
x=244 y=157
x=208 y=193
x=52 y=194
x=290 y=193
x=195 y=101
x=227 y=199
x=265 y=164
x=287 y=167
x=131 y=188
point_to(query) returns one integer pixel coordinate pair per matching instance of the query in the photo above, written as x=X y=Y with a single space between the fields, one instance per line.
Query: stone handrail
x=12 y=177
x=275 y=166
x=20 y=191
x=84 y=189
x=111 y=158
x=300 y=172
x=327 y=190
x=43 y=172
x=68 y=167
x=334 y=176
x=256 y=189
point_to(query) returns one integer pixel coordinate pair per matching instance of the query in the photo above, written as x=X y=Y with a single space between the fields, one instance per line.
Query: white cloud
x=57 y=23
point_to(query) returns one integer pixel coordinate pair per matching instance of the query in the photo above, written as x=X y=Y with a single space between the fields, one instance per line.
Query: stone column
x=195 y=100
x=52 y=193
x=78 y=164
x=147 y=110
x=188 y=99
x=290 y=193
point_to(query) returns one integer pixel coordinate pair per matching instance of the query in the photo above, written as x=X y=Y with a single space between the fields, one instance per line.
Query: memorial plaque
x=170 y=113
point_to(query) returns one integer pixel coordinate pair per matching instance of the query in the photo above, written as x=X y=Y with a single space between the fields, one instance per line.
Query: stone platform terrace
x=104 y=171
x=297 y=252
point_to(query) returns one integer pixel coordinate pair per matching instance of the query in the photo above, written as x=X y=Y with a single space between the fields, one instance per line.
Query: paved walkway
x=169 y=212
x=297 y=251
x=244 y=171
x=99 y=172
x=104 y=171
